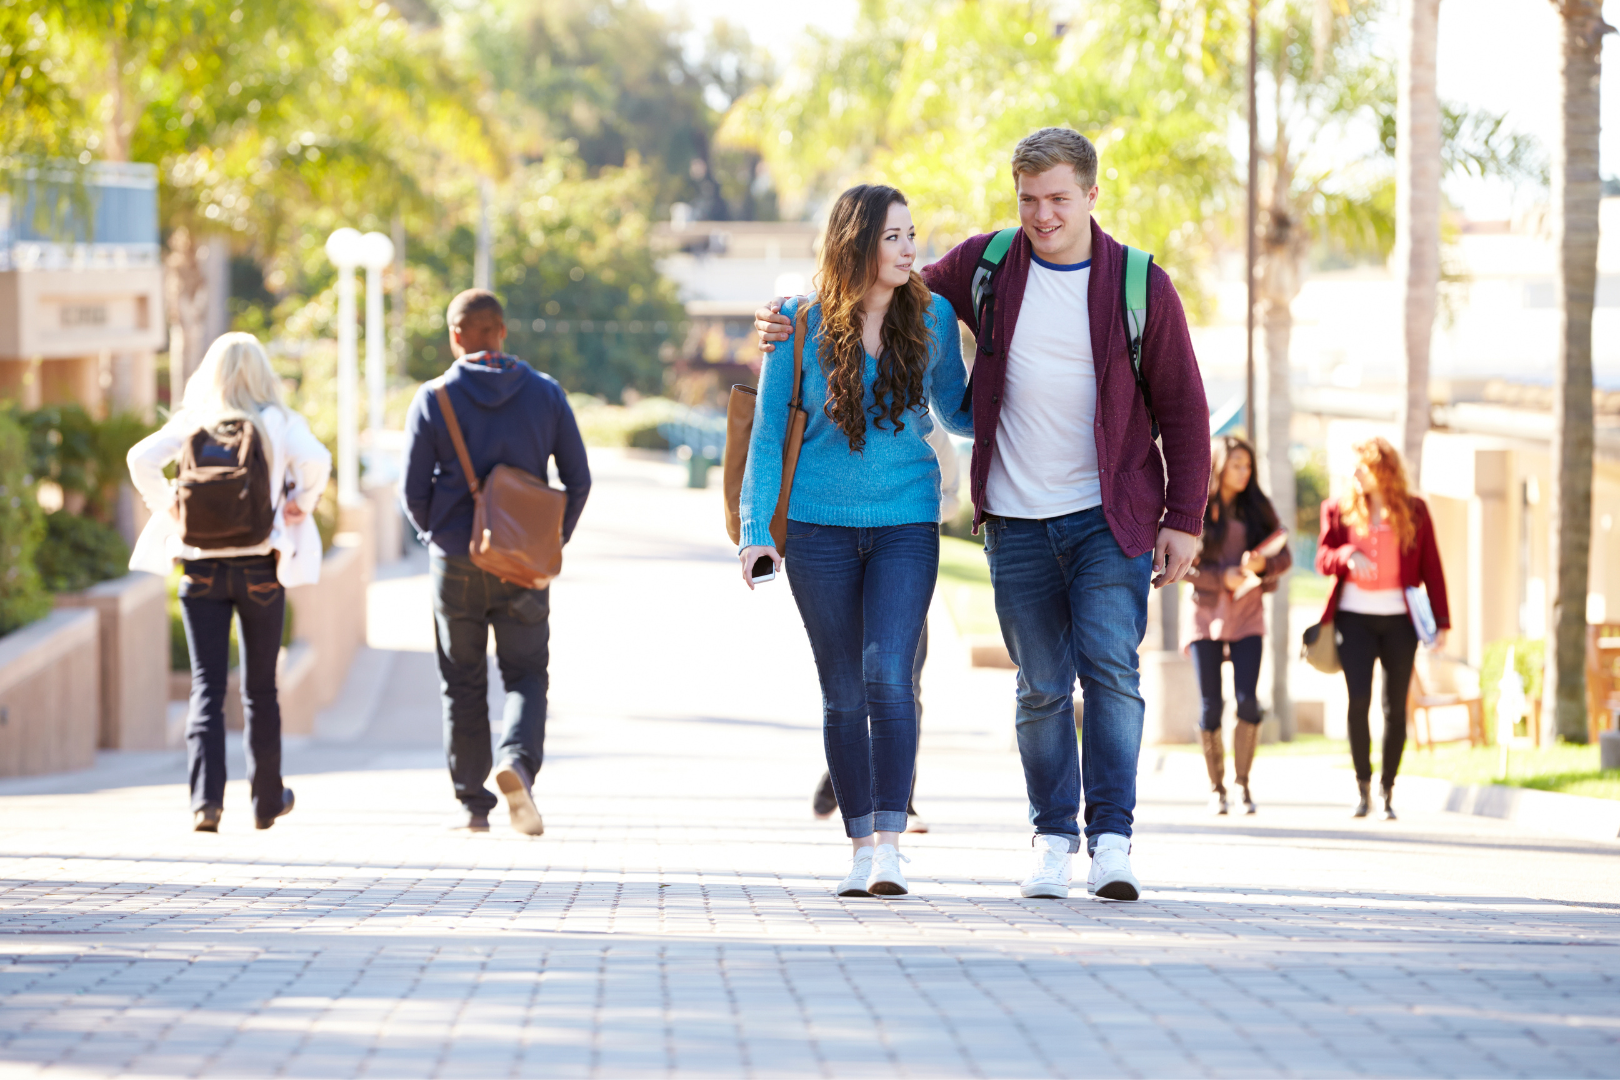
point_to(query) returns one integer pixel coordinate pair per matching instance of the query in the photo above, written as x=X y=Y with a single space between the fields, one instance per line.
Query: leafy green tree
x=933 y=97
x=621 y=84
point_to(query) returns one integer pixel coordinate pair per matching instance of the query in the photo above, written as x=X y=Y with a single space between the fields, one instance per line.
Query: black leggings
x=1390 y=640
x=1209 y=656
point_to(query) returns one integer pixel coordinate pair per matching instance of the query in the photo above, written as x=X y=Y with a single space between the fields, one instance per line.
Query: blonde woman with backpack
x=239 y=518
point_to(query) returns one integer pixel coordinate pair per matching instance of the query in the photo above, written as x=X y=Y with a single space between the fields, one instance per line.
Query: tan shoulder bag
x=517 y=517
x=740 y=428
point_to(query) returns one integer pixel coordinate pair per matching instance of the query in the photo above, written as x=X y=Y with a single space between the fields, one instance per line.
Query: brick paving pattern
x=678 y=918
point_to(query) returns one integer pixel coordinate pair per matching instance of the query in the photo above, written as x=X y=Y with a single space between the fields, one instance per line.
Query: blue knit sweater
x=895 y=481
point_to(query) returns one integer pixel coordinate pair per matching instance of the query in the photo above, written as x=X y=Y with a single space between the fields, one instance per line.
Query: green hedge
x=22 y=596
x=79 y=551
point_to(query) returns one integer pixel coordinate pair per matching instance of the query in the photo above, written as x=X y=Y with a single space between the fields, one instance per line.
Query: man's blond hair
x=1050 y=147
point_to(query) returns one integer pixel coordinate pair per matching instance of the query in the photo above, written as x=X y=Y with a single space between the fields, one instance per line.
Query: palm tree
x=1576 y=190
x=1324 y=76
x=1417 y=212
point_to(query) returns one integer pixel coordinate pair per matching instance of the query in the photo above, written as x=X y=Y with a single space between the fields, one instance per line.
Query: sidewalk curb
x=1575 y=816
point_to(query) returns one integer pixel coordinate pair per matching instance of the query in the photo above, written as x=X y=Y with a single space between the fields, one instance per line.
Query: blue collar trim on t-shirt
x=1058 y=266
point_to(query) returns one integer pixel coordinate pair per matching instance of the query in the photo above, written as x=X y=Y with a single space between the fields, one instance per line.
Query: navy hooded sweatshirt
x=509 y=415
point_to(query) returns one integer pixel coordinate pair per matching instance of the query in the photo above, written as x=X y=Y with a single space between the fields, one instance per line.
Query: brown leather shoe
x=206 y=819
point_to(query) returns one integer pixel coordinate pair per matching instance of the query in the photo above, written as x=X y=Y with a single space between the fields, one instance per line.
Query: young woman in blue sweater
x=882 y=362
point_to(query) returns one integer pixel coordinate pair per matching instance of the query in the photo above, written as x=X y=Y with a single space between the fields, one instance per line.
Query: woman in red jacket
x=1378 y=542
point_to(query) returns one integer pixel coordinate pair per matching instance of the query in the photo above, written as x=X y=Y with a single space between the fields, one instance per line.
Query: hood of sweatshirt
x=488 y=387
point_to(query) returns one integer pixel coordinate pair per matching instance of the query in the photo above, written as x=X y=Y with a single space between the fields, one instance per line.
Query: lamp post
x=376 y=252
x=344 y=248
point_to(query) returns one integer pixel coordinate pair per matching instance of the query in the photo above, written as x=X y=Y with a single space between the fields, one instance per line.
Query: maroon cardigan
x=1136 y=497
x=1419 y=566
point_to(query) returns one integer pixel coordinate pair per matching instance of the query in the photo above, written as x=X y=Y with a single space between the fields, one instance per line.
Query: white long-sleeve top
x=298 y=463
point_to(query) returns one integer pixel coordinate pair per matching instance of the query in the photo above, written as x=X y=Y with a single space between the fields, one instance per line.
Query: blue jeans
x=467 y=602
x=211 y=591
x=863 y=595
x=1209 y=656
x=1071 y=604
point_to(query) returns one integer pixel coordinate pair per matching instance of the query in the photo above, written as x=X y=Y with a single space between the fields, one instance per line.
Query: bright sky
x=1498 y=55
x=772 y=23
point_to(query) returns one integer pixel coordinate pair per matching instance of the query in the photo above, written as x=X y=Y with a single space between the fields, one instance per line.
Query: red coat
x=1420 y=565
x=1138 y=491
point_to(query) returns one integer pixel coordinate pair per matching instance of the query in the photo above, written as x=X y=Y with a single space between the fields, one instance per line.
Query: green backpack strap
x=984 y=281
x=1136 y=313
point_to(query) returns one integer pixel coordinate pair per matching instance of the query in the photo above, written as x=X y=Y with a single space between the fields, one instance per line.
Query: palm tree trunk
x=1278 y=476
x=1576 y=190
x=1417 y=213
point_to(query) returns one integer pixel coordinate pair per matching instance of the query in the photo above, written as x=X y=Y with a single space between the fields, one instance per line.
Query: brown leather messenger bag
x=517 y=517
x=740 y=428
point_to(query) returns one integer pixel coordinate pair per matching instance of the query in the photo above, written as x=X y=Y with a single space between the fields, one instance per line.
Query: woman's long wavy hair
x=1386 y=466
x=1250 y=506
x=847 y=269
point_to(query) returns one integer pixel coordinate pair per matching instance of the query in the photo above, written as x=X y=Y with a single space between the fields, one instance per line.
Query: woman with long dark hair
x=1378 y=542
x=1244 y=556
x=882 y=359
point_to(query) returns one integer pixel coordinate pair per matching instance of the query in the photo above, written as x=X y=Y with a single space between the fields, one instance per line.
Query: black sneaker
x=206 y=819
x=286 y=808
x=824 y=802
x=518 y=786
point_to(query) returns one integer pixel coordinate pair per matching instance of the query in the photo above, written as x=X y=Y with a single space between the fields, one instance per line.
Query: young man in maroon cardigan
x=1078 y=508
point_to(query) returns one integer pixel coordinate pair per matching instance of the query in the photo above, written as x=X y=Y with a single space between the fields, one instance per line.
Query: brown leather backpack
x=517 y=517
x=222 y=487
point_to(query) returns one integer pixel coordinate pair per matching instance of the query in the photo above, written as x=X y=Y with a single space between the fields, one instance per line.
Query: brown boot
x=1244 y=738
x=1215 y=762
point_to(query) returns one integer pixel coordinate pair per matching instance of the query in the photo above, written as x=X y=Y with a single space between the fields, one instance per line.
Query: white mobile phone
x=763 y=570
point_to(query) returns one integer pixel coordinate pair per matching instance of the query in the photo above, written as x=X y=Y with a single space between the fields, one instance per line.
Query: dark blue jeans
x=467 y=602
x=1208 y=656
x=863 y=595
x=1071 y=604
x=211 y=591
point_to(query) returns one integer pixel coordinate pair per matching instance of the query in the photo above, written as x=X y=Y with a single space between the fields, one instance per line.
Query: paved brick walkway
x=677 y=917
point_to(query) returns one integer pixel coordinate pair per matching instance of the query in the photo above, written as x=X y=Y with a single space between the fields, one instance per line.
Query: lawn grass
x=1305 y=586
x=964 y=585
x=1565 y=767
x=1302 y=746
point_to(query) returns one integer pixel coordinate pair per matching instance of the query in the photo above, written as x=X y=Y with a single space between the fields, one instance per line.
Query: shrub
x=78 y=552
x=1529 y=660
x=22 y=598
x=82 y=455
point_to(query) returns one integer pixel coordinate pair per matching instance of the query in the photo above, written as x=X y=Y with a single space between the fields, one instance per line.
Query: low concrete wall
x=134 y=658
x=387 y=523
x=329 y=618
x=50 y=694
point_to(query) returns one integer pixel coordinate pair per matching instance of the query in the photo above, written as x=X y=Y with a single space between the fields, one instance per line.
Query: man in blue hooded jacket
x=509 y=414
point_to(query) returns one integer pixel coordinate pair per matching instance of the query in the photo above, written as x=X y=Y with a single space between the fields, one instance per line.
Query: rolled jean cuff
x=859 y=827
x=1072 y=838
x=889 y=821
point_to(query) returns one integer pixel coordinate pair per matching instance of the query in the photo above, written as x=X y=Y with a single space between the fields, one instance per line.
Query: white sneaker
x=1050 y=878
x=886 y=879
x=1111 y=876
x=854 y=883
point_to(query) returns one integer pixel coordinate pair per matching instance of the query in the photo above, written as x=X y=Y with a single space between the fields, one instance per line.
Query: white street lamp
x=345 y=248
x=376 y=252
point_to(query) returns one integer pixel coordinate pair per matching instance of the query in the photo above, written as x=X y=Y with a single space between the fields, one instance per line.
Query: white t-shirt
x=1045 y=463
